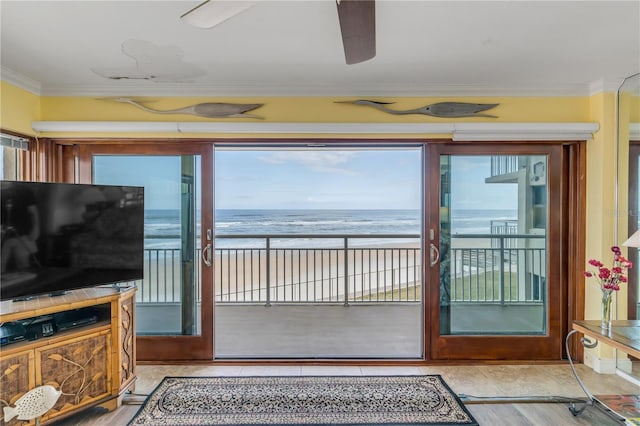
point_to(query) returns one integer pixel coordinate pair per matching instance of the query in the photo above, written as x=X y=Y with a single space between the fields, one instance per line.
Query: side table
x=623 y=335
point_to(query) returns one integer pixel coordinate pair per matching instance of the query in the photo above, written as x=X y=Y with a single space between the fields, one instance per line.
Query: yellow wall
x=309 y=109
x=18 y=108
x=601 y=207
x=318 y=109
x=601 y=166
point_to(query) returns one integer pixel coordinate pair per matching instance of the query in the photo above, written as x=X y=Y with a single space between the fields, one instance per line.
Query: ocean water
x=162 y=227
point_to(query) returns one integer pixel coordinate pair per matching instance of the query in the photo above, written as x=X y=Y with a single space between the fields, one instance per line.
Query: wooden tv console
x=93 y=364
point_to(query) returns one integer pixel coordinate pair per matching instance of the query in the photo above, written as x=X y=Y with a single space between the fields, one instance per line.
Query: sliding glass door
x=498 y=288
x=434 y=250
x=173 y=301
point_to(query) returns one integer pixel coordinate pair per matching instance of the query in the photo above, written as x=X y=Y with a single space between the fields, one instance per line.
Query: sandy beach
x=307 y=275
x=295 y=275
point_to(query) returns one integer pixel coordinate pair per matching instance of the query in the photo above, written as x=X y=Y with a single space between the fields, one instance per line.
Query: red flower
x=610 y=279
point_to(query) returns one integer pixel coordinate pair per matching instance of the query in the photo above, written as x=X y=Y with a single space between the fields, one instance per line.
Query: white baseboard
x=624 y=364
x=599 y=365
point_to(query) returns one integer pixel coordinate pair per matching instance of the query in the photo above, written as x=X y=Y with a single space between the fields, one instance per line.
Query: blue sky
x=308 y=179
x=305 y=179
x=160 y=176
x=469 y=190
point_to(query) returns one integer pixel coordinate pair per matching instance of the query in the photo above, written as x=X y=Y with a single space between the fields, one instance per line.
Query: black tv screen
x=58 y=236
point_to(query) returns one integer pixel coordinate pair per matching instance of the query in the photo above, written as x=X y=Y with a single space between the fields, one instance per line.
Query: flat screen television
x=57 y=237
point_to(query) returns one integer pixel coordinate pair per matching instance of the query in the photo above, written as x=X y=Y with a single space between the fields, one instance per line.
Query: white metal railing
x=514 y=271
x=504 y=164
x=334 y=270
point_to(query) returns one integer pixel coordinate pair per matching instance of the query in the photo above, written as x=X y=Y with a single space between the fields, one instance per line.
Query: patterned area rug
x=307 y=400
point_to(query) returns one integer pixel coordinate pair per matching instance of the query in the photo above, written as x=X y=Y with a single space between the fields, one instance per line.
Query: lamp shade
x=633 y=241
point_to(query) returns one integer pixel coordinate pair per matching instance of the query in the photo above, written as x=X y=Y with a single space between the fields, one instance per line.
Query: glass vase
x=606 y=311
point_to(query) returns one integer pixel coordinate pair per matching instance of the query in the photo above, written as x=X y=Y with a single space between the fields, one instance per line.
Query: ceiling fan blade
x=358 y=27
x=213 y=12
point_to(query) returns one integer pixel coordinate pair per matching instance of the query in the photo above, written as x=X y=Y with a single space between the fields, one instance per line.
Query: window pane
x=493 y=226
x=167 y=300
x=9 y=163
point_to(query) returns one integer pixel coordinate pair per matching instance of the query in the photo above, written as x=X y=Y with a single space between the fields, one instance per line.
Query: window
x=10 y=155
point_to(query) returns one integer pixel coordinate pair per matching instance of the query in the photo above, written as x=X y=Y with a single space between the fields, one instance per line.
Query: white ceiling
x=293 y=48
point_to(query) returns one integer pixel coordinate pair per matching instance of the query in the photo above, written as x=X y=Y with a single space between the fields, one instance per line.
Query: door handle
x=206 y=255
x=434 y=254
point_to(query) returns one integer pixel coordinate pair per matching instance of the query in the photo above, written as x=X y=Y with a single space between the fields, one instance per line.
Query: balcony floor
x=358 y=331
x=319 y=331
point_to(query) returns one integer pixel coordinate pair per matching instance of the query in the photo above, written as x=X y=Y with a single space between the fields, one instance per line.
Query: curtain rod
x=459 y=131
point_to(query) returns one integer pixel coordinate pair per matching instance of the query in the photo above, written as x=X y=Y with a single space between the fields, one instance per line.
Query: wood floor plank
x=484 y=381
x=538 y=415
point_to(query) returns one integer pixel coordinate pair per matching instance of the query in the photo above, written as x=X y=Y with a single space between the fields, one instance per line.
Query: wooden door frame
x=75 y=156
x=164 y=347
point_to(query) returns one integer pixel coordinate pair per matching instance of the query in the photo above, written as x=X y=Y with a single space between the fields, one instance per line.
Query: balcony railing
x=333 y=271
x=504 y=164
x=259 y=269
x=501 y=227
x=514 y=271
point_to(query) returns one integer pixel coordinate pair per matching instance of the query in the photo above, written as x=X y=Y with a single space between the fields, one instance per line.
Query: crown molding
x=602 y=86
x=21 y=81
x=458 y=131
x=288 y=90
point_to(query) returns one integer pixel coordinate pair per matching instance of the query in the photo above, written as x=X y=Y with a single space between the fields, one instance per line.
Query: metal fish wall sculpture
x=440 y=109
x=207 y=110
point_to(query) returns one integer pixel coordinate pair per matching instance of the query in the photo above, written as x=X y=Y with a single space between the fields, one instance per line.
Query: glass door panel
x=493 y=227
x=167 y=297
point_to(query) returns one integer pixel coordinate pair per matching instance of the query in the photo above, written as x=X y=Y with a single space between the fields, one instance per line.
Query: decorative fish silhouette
x=207 y=110
x=33 y=404
x=440 y=109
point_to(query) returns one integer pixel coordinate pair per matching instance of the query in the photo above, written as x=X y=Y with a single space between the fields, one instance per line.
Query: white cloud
x=319 y=200
x=318 y=161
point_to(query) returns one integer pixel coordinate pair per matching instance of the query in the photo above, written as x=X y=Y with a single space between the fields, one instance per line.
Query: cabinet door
x=16 y=378
x=79 y=368
x=127 y=362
